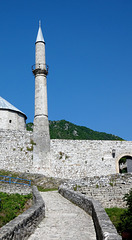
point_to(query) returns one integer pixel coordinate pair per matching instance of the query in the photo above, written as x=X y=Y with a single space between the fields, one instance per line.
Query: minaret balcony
x=40 y=68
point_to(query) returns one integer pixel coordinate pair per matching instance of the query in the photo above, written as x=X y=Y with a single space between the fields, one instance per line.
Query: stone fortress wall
x=16 y=150
x=71 y=159
x=108 y=190
x=86 y=158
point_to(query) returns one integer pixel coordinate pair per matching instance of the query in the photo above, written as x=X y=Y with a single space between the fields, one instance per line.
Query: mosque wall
x=12 y=120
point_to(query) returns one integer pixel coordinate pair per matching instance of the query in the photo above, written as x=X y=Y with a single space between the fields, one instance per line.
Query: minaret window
x=10 y=121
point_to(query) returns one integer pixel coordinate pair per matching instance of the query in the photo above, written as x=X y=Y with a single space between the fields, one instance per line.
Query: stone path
x=63 y=221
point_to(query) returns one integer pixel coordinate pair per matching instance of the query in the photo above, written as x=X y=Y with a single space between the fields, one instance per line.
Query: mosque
x=21 y=150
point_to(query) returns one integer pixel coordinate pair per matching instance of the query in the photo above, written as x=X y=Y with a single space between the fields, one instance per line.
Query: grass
x=114 y=214
x=8 y=173
x=42 y=189
x=12 y=205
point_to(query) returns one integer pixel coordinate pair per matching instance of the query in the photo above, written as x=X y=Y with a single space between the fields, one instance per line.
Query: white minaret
x=41 y=124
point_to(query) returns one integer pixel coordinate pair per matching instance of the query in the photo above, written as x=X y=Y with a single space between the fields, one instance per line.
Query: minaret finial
x=39 y=23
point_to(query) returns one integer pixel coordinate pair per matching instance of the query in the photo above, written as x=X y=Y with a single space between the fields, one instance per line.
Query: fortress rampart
x=86 y=158
x=70 y=159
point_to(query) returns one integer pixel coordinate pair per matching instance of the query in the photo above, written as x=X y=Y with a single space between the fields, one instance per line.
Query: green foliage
x=124 y=170
x=31 y=148
x=126 y=218
x=122 y=218
x=114 y=214
x=112 y=183
x=65 y=130
x=128 y=199
x=11 y=206
x=32 y=142
x=123 y=160
x=8 y=173
x=29 y=126
x=42 y=189
x=75 y=188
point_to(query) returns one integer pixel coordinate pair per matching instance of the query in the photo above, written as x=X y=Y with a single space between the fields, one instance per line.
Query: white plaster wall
x=12 y=120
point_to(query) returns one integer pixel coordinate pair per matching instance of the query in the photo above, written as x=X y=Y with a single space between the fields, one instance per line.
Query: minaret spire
x=41 y=124
x=40 y=37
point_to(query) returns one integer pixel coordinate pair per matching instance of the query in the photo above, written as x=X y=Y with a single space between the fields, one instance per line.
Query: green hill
x=66 y=130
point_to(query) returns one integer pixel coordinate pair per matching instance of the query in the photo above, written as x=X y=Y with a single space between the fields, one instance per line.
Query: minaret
x=41 y=124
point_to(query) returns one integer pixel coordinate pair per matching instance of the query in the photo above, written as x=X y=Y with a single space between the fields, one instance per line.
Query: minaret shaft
x=41 y=108
x=40 y=54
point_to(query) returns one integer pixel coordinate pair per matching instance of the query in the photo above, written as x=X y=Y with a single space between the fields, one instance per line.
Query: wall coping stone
x=104 y=228
x=24 y=225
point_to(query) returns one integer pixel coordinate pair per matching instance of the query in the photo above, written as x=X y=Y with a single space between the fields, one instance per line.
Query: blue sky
x=89 y=53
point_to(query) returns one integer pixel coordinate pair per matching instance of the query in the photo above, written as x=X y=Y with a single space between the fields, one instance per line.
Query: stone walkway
x=63 y=221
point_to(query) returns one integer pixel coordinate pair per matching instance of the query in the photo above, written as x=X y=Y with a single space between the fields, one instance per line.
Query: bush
x=115 y=214
x=12 y=205
x=125 y=226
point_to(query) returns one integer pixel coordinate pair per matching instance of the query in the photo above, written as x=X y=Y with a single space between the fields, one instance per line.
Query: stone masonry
x=103 y=226
x=71 y=159
x=86 y=158
x=108 y=190
x=16 y=150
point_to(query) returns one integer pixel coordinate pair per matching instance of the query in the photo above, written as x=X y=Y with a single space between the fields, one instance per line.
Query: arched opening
x=125 y=164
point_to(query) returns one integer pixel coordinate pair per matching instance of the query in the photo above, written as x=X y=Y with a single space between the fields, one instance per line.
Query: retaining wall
x=24 y=225
x=15 y=188
x=109 y=190
x=104 y=228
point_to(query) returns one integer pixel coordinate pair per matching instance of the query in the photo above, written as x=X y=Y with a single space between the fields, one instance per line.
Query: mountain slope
x=65 y=130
